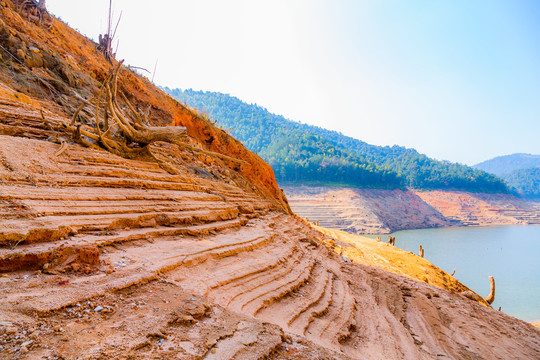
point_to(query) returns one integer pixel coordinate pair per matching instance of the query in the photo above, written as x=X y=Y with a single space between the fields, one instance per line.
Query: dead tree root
x=126 y=132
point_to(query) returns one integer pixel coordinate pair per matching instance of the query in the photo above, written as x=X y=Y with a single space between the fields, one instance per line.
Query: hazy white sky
x=457 y=80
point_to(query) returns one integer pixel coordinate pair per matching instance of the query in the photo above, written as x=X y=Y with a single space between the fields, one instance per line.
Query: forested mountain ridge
x=525 y=181
x=311 y=159
x=520 y=171
x=301 y=153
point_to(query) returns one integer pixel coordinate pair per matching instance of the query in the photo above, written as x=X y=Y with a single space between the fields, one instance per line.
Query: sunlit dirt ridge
x=105 y=257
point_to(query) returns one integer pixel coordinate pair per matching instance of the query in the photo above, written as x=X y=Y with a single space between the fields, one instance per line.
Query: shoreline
x=454 y=227
x=475 y=252
x=378 y=254
x=380 y=212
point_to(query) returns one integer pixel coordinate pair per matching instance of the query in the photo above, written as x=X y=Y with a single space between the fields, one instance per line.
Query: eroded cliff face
x=373 y=211
x=472 y=209
x=113 y=258
x=364 y=211
x=67 y=68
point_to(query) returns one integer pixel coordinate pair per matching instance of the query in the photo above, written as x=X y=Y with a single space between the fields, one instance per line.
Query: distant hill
x=520 y=171
x=525 y=181
x=304 y=154
x=504 y=165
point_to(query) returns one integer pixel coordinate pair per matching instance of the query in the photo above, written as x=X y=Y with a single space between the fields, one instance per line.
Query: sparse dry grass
x=371 y=252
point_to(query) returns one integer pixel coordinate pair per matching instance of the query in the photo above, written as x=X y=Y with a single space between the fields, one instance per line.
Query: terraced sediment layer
x=103 y=256
x=364 y=211
x=195 y=258
x=483 y=209
x=374 y=211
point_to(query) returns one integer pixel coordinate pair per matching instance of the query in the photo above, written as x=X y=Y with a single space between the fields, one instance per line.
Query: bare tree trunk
x=133 y=134
x=491 y=297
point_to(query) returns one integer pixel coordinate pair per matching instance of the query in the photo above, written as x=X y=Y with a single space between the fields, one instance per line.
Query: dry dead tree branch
x=62 y=148
x=126 y=133
x=489 y=299
x=106 y=40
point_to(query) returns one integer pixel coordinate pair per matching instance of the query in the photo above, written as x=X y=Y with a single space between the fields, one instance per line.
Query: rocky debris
x=190 y=311
x=185 y=311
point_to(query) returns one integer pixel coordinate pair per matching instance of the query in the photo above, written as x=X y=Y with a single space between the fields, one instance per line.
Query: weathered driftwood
x=126 y=133
x=491 y=297
x=472 y=295
x=62 y=148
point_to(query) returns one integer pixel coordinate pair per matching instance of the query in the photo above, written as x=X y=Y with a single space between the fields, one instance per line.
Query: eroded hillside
x=103 y=257
x=58 y=68
x=377 y=211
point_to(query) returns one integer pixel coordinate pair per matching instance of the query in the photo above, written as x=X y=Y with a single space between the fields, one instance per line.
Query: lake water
x=509 y=253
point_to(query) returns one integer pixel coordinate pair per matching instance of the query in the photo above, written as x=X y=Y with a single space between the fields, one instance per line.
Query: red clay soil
x=66 y=66
x=108 y=258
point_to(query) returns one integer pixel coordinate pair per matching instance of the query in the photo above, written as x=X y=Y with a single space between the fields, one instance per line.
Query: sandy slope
x=104 y=257
x=382 y=255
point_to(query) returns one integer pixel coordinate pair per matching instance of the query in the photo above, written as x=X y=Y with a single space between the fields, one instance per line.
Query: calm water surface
x=509 y=253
